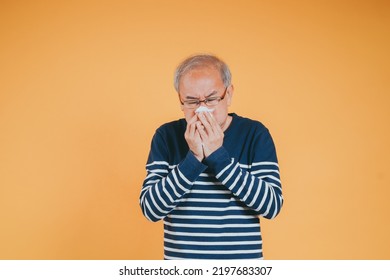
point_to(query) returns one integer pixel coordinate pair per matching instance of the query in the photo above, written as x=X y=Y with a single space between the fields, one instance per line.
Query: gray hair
x=202 y=60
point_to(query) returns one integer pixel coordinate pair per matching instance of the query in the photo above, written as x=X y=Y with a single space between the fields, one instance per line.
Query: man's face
x=203 y=83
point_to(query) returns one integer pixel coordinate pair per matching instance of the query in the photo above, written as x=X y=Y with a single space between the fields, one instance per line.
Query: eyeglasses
x=211 y=101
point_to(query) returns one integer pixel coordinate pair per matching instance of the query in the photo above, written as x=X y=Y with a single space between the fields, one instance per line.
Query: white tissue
x=203 y=109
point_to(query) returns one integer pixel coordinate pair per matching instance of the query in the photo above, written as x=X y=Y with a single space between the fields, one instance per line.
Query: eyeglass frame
x=220 y=98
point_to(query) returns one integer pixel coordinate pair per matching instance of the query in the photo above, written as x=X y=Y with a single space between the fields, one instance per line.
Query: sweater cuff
x=218 y=160
x=191 y=167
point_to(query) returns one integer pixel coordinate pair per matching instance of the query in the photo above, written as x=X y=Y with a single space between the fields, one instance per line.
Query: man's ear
x=229 y=94
x=181 y=104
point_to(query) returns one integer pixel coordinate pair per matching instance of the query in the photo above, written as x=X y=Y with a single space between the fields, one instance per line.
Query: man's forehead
x=201 y=76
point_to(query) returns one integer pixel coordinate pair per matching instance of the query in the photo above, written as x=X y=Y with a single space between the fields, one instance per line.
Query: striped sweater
x=211 y=209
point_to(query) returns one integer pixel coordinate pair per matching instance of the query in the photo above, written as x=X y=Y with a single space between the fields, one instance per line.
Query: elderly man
x=211 y=175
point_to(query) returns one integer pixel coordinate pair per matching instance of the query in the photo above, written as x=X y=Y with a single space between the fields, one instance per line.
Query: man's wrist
x=198 y=157
x=218 y=159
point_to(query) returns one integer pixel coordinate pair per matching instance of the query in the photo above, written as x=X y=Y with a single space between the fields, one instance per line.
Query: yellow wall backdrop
x=84 y=85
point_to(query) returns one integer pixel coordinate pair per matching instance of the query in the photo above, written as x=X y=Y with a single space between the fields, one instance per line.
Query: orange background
x=84 y=85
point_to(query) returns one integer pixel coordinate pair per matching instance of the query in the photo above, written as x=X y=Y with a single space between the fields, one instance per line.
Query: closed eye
x=192 y=102
x=212 y=98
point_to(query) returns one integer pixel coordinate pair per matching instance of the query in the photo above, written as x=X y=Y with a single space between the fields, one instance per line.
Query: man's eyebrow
x=196 y=98
x=192 y=97
x=214 y=92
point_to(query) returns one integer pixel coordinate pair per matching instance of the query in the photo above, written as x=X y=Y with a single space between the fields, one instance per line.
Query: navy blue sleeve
x=258 y=184
x=165 y=184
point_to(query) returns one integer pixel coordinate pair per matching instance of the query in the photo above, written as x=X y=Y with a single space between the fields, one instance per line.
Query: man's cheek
x=189 y=115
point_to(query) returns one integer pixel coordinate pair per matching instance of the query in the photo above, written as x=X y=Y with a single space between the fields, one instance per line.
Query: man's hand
x=193 y=139
x=210 y=132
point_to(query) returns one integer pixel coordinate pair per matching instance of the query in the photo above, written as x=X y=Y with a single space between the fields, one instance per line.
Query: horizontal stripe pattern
x=208 y=216
x=211 y=210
